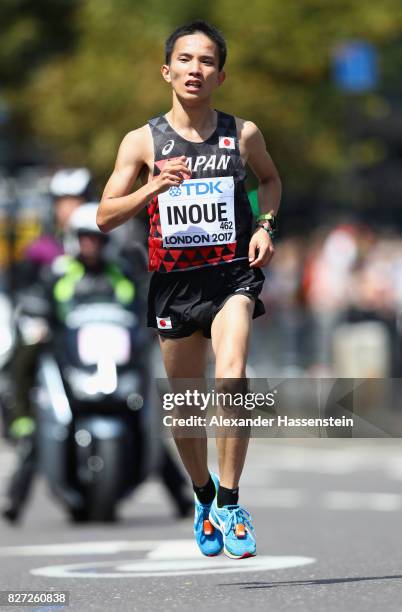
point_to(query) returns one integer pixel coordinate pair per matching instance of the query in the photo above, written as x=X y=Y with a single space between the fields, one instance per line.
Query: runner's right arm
x=118 y=205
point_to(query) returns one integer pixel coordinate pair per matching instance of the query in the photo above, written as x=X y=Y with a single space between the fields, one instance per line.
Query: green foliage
x=32 y=32
x=278 y=74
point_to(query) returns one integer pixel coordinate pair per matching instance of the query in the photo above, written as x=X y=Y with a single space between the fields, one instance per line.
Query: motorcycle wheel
x=103 y=491
x=79 y=515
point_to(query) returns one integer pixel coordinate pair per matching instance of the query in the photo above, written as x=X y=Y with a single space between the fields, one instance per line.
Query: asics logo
x=168 y=147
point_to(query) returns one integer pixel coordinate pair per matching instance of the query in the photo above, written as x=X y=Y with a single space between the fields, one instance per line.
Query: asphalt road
x=327 y=515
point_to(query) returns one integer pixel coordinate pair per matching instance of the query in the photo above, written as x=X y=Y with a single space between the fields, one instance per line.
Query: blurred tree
x=82 y=105
x=32 y=33
x=278 y=75
x=285 y=59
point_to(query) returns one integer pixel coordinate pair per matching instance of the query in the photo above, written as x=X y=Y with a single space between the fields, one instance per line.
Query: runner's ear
x=165 y=71
x=221 y=77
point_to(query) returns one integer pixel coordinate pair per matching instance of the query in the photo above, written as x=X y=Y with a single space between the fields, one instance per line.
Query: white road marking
x=325 y=460
x=393 y=468
x=183 y=549
x=203 y=566
x=174 y=558
x=273 y=498
x=332 y=500
x=160 y=558
x=320 y=462
x=76 y=548
x=349 y=500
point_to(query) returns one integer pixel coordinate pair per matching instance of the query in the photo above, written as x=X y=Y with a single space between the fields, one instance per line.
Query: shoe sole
x=245 y=555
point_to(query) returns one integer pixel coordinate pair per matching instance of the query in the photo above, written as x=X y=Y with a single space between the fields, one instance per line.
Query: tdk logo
x=201 y=188
x=175 y=191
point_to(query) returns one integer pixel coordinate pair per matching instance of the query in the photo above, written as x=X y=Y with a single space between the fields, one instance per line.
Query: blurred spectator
x=346 y=274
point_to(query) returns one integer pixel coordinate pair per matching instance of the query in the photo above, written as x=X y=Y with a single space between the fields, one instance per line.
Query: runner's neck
x=193 y=124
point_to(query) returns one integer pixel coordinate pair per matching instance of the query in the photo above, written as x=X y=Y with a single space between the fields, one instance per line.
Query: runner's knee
x=231 y=385
x=233 y=367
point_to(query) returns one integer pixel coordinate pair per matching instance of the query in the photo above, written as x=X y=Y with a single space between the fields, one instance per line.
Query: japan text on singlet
x=206 y=220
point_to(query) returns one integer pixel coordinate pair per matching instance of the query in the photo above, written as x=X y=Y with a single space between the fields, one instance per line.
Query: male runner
x=204 y=253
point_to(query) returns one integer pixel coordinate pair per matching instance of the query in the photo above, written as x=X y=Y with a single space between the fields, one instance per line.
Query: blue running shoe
x=235 y=524
x=209 y=539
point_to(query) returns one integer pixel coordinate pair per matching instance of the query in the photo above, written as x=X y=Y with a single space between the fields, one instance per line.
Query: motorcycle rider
x=86 y=271
x=69 y=188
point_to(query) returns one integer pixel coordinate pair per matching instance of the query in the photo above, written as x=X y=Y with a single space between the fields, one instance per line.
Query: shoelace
x=237 y=514
x=204 y=514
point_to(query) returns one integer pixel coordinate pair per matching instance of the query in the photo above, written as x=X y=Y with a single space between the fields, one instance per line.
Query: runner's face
x=194 y=67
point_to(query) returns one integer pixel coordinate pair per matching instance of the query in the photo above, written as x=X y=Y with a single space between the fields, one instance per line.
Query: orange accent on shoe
x=240 y=531
x=207 y=528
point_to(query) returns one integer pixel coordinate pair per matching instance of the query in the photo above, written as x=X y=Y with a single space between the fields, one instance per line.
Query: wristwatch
x=270 y=217
x=267 y=228
x=270 y=223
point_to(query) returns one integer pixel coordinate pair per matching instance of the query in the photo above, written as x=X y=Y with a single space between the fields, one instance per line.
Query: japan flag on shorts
x=226 y=142
x=164 y=322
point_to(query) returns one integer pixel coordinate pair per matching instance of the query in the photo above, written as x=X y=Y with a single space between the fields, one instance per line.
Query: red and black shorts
x=180 y=303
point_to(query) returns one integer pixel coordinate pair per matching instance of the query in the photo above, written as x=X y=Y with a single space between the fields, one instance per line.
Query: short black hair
x=191 y=28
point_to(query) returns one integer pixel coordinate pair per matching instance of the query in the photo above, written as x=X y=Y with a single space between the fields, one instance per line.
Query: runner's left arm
x=255 y=154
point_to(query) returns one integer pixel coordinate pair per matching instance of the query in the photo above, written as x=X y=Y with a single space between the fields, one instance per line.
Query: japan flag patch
x=164 y=322
x=226 y=142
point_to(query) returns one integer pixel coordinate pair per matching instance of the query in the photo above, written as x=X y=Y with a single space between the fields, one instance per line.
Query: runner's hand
x=261 y=249
x=173 y=173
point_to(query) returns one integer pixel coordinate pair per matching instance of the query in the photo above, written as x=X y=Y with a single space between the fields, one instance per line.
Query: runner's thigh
x=184 y=357
x=230 y=334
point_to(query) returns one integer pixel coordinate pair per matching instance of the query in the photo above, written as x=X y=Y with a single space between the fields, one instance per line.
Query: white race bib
x=199 y=212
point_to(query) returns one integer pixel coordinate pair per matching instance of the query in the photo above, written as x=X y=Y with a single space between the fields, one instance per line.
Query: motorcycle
x=7 y=342
x=96 y=435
